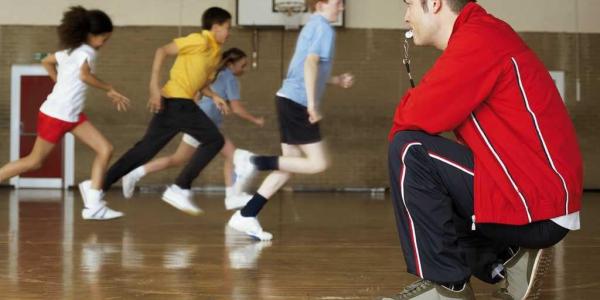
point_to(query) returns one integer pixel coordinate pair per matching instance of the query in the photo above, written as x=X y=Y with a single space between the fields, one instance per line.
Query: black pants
x=432 y=190
x=178 y=115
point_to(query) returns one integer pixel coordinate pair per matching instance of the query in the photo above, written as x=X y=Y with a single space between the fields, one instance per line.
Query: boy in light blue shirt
x=317 y=38
x=298 y=103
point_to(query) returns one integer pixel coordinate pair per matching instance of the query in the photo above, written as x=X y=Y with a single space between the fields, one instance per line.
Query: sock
x=266 y=163
x=138 y=172
x=498 y=273
x=94 y=198
x=228 y=191
x=254 y=206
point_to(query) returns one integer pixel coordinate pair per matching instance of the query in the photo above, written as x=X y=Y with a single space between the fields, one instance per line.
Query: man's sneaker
x=249 y=226
x=100 y=212
x=128 y=181
x=244 y=170
x=237 y=201
x=181 y=199
x=524 y=273
x=427 y=290
x=95 y=209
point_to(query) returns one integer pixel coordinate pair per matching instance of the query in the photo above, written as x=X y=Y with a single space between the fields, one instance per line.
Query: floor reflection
x=243 y=253
x=326 y=246
x=49 y=242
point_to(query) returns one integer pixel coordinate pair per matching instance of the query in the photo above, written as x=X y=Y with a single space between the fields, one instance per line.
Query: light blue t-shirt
x=226 y=86
x=317 y=37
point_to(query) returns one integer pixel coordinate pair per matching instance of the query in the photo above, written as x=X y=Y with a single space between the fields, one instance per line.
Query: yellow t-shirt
x=195 y=65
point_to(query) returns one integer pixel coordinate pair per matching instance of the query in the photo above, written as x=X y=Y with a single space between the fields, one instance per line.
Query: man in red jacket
x=493 y=203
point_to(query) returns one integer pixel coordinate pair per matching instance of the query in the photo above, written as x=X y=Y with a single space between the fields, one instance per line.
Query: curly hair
x=78 y=22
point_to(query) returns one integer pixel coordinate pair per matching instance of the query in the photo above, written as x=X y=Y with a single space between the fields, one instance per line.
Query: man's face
x=331 y=9
x=420 y=21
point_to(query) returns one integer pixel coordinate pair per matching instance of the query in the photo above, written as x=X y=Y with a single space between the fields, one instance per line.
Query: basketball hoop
x=292 y=10
x=290 y=7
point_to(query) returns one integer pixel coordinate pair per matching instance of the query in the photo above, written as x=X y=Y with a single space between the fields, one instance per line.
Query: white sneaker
x=95 y=209
x=237 y=201
x=249 y=226
x=101 y=212
x=244 y=170
x=128 y=181
x=84 y=188
x=181 y=199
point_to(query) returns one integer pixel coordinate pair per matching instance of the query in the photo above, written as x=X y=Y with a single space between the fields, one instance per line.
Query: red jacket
x=500 y=101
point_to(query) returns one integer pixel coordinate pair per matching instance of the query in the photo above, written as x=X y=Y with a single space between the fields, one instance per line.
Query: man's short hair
x=214 y=15
x=455 y=5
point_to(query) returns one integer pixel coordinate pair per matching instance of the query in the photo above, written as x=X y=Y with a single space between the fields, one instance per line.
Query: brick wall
x=356 y=121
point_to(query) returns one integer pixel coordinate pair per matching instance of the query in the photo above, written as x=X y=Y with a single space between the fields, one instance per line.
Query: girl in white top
x=81 y=32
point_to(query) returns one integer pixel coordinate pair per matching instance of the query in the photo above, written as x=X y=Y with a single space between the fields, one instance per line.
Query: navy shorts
x=294 y=127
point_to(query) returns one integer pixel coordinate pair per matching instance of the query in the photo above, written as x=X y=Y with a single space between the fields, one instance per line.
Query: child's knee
x=322 y=166
x=106 y=150
x=318 y=166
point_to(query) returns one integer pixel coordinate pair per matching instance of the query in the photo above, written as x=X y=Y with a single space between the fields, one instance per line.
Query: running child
x=81 y=33
x=197 y=60
x=233 y=64
x=298 y=109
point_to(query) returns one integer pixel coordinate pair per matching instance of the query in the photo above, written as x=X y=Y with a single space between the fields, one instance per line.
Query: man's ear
x=436 y=6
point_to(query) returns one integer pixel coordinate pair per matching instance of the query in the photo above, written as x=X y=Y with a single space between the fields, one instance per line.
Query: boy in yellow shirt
x=196 y=64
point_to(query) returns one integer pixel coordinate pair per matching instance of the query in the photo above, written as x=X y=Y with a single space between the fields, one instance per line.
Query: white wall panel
x=523 y=15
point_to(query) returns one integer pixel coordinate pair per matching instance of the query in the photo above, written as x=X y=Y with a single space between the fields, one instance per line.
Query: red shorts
x=52 y=129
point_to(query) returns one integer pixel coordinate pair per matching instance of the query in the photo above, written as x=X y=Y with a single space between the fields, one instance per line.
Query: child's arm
x=49 y=63
x=120 y=101
x=345 y=80
x=238 y=108
x=311 y=66
x=219 y=102
x=154 y=102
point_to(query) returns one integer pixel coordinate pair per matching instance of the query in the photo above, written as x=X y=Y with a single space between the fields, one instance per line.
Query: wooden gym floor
x=326 y=246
